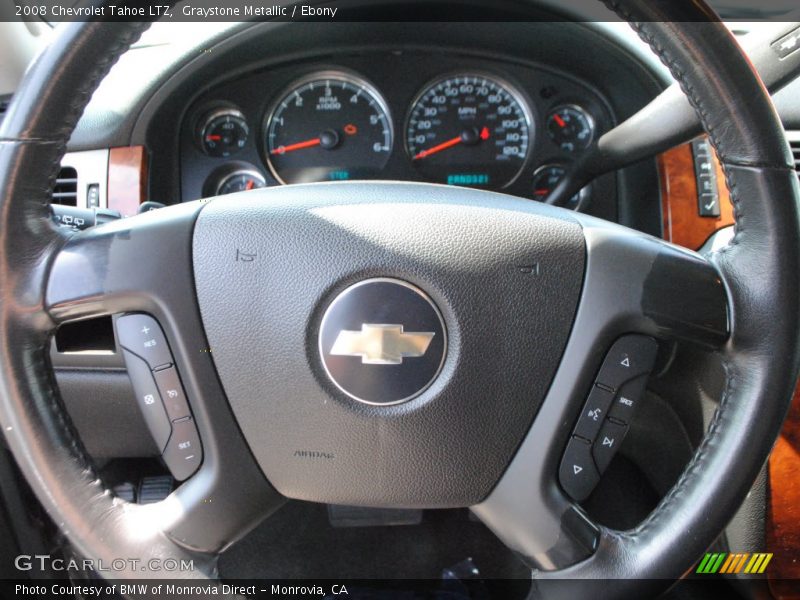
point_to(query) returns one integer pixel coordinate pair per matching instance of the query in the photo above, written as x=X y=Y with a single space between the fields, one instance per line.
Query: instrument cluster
x=400 y=115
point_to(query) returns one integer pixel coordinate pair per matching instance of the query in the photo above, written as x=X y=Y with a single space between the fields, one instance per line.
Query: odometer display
x=327 y=127
x=469 y=130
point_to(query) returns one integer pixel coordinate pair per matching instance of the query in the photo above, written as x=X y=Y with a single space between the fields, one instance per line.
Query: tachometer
x=469 y=130
x=328 y=126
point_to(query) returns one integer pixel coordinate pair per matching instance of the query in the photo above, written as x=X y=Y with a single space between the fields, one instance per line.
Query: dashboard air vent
x=4 y=102
x=794 y=144
x=66 y=190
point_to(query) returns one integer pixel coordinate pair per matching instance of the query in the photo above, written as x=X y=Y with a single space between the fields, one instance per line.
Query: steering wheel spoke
x=639 y=283
x=634 y=284
x=143 y=265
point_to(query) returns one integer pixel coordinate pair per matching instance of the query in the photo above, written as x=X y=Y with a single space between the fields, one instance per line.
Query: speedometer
x=469 y=130
x=328 y=126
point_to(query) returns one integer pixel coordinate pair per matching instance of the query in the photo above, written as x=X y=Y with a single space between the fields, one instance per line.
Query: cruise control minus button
x=183 y=453
x=578 y=474
x=142 y=335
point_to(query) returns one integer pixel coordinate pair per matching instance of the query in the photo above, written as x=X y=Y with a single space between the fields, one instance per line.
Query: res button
x=141 y=335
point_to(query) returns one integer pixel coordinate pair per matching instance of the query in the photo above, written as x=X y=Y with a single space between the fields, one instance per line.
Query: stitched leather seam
x=710 y=438
x=80 y=99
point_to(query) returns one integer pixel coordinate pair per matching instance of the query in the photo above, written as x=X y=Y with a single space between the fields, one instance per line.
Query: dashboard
x=410 y=115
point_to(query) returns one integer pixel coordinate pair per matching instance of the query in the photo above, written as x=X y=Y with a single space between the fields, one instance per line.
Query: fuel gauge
x=223 y=132
x=545 y=180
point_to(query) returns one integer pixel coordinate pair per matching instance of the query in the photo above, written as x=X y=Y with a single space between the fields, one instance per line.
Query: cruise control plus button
x=593 y=414
x=629 y=357
x=148 y=399
x=141 y=335
x=607 y=444
x=577 y=474
x=627 y=399
x=172 y=393
x=183 y=453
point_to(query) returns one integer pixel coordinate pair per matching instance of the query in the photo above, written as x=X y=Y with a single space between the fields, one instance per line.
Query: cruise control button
x=631 y=356
x=142 y=335
x=627 y=400
x=169 y=384
x=593 y=414
x=578 y=474
x=607 y=444
x=148 y=399
x=183 y=453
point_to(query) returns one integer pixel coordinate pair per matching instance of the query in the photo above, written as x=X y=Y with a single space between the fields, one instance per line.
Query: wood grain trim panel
x=683 y=226
x=681 y=221
x=127 y=179
x=783 y=509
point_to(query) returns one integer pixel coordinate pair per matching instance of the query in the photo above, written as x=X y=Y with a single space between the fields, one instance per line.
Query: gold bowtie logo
x=382 y=344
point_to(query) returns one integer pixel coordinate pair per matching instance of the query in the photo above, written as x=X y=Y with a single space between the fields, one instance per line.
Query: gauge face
x=571 y=128
x=329 y=126
x=240 y=181
x=223 y=132
x=469 y=130
x=545 y=180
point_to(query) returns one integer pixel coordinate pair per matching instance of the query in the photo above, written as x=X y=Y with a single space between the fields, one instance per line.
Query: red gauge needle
x=483 y=135
x=561 y=122
x=250 y=185
x=213 y=138
x=298 y=146
x=439 y=148
x=541 y=192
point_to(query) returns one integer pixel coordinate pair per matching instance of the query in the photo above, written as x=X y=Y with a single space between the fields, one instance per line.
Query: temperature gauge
x=571 y=128
x=223 y=132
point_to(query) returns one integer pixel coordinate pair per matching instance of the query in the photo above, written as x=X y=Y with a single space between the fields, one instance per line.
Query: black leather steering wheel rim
x=758 y=269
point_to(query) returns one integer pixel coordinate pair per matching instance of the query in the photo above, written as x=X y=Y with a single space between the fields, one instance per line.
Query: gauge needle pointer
x=298 y=146
x=328 y=139
x=468 y=137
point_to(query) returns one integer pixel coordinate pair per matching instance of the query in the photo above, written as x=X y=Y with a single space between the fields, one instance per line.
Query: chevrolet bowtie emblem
x=382 y=344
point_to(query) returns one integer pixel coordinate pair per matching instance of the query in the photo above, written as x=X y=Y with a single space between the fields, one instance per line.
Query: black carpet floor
x=298 y=542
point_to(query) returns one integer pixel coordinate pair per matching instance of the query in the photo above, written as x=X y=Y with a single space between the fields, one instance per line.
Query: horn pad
x=382 y=341
x=318 y=303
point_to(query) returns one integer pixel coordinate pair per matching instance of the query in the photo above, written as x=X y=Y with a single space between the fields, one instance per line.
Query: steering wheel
x=492 y=316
